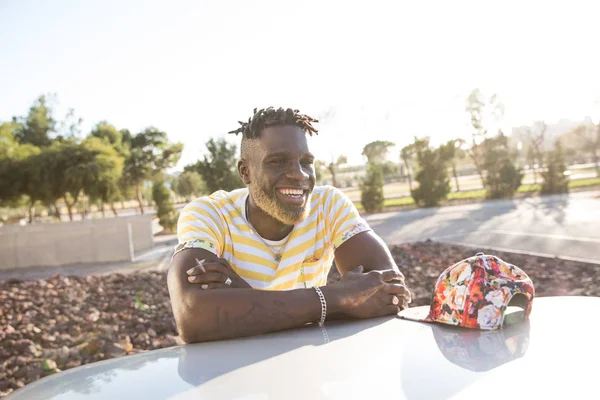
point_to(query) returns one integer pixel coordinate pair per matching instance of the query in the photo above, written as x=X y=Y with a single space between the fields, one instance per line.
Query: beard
x=266 y=199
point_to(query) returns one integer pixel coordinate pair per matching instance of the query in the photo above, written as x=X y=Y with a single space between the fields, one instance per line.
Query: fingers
x=399 y=289
x=398 y=301
x=391 y=275
x=205 y=267
x=214 y=286
x=358 y=270
x=208 y=277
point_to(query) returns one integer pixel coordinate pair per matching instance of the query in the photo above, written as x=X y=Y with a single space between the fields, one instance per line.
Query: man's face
x=282 y=174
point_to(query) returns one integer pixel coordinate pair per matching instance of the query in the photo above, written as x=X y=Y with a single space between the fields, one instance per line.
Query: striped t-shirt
x=218 y=224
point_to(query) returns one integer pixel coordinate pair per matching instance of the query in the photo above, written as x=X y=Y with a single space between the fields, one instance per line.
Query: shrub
x=371 y=189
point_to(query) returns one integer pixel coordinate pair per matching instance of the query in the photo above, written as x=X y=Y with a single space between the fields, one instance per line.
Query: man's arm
x=366 y=249
x=211 y=314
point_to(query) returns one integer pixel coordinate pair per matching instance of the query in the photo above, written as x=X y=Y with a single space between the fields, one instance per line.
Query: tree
x=535 y=152
x=376 y=151
x=555 y=180
x=453 y=152
x=502 y=178
x=481 y=111
x=371 y=189
x=589 y=136
x=35 y=128
x=12 y=156
x=188 y=184
x=167 y=216
x=219 y=167
x=103 y=172
x=150 y=154
x=406 y=155
x=320 y=166
x=333 y=166
x=432 y=175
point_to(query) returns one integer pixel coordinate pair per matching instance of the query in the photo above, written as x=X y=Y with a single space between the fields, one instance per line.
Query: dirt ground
x=63 y=322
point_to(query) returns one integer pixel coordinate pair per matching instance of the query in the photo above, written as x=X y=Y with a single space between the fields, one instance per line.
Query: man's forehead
x=284 y=138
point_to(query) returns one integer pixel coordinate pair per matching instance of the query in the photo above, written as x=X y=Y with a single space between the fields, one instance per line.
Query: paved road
x=562 y=225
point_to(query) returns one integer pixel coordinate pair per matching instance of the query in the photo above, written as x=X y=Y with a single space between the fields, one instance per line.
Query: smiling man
x=256 y=260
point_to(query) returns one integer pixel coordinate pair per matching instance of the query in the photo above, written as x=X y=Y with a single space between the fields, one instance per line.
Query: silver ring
x=228 y=281
x=395 y=300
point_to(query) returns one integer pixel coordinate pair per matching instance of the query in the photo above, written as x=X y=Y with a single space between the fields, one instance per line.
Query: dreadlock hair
x=266 y=117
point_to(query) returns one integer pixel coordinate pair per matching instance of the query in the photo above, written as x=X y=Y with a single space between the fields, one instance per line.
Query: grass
x=479 y=194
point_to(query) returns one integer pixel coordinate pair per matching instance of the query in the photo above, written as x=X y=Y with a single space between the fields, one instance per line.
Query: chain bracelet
x=323 y=305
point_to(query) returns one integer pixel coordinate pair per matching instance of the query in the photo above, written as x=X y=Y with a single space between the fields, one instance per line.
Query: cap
x=476 y=293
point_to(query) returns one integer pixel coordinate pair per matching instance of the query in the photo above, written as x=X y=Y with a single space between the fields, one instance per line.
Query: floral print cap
x=475 y=293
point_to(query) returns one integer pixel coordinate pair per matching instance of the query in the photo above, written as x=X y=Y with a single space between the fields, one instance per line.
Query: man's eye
x=308 y=163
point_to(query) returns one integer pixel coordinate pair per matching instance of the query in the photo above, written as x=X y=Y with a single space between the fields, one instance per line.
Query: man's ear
x=244 y=171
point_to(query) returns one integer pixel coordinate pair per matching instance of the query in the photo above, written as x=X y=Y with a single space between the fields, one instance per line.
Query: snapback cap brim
x=419 y=314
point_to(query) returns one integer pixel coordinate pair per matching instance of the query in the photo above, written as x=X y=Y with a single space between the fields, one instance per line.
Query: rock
x=73 y=364
x=151 y=333
x=91 y=347
x=27 y=347
x=169 y=341
x=50 y=366
x=113 y=350
x=9 y=329
x=93 y=316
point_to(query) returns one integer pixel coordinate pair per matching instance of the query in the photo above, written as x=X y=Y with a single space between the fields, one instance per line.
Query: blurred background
x=121 y=109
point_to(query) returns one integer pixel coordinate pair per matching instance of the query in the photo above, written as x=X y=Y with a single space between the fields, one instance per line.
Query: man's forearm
x=228 y=313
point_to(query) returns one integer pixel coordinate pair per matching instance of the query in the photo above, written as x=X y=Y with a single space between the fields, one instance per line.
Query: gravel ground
x=63 y=322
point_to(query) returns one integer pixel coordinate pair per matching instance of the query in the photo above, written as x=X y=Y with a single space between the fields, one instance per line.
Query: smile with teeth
x=292 y=192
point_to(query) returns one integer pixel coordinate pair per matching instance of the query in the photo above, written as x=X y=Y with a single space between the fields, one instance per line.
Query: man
x=256 y=260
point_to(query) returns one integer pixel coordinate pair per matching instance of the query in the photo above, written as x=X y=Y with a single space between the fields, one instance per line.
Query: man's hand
x=367 y=295
x=215 y=275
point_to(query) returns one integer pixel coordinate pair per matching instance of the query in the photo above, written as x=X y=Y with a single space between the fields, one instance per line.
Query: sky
x=371 y=70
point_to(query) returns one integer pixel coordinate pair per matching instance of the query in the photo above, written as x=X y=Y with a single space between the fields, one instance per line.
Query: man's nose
x=296 y=172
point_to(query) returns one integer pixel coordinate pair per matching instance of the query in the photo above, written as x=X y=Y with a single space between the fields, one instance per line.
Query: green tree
x=434 y=184
x=453 y=152
x=502 y=178
x=167 y=216
x=37 y=125
x=188 y=184
x=150 y=154
x=103 y=172
x=218 y=168
x=555 y=180
x=371 y=189
x=12 y=161
x=377 y=151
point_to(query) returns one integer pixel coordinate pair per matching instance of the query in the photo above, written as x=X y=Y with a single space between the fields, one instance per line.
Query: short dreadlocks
x=271 y=117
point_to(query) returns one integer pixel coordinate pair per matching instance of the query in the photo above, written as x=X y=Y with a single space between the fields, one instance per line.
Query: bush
x=371 y=189
x=434 y=184
x=502 y=177
x=165 y=211
x=555 y=180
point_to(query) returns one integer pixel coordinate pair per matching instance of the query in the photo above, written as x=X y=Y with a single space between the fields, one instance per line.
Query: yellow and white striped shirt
x=218 y=224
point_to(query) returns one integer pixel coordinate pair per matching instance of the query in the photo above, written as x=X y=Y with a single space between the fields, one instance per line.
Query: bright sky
x=386 y=70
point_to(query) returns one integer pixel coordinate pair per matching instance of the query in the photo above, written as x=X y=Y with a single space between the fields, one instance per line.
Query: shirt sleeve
x=342 y=218
x=200 y=226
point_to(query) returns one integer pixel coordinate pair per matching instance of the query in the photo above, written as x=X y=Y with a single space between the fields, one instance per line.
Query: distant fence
x=78 y=242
